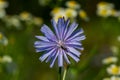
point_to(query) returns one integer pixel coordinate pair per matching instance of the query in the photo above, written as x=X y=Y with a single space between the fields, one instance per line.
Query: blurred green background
x=22 y=19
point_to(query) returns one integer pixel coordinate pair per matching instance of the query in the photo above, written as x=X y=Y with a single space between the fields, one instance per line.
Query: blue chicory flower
x=63 y=42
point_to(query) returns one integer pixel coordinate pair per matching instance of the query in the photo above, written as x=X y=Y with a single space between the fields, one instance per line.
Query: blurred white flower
x=25 y=16
x=3 y=40
x=58 y=12
x=109 y=60
x=115 y=13
x=105 y=9
x=2 y=13
x=6 y=59
x=72 y=4
x=106 y=79
x=3 y=4
x=104 y=12
x=59 y=15
x=37 y=21
x=83 y=15
x=70 y=13
x=118 y=38
x=113 y=69
x=112 y=78
x=13 y=21
x=115 y=78
x=115 y=50
x=105 y=5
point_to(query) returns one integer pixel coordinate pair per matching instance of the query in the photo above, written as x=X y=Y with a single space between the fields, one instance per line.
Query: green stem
x=60 y=73
x=66 y=67
x=64 y=74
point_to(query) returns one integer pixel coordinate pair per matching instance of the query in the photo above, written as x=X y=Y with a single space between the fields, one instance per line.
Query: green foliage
x=22 y=62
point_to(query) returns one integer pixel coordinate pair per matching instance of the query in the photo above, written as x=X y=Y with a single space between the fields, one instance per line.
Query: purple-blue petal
x=80 y=38
x=44 y=56
x=73 y=43
x=71 y=29
x=77 y=47
x=65 y=57
x=74 y=51
x=51 y=56
x=73 y=56
x=42 y=38
x=43 y=44
x=66 y=28
x=55 y=28
x=60 y=59
x=60 y=27
x=76 y=33
x=55 y=57
x=44 y=49
x=48 y=33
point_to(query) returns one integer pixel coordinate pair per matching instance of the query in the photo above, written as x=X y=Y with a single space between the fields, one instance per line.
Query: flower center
x=61 y=45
